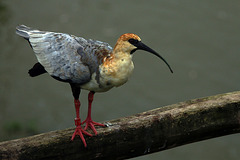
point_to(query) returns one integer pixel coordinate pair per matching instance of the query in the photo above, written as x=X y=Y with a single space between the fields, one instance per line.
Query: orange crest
x=127 y=36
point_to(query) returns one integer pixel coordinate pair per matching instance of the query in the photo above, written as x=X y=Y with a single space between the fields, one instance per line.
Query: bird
x=85 y=64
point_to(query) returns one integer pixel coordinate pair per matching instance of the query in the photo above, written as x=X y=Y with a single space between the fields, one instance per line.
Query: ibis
x=85 y=64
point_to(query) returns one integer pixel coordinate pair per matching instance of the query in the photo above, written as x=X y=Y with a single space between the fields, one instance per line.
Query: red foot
x=91 y=124
x=79 y=131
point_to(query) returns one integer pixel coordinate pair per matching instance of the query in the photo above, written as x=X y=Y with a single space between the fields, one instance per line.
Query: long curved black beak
x=144 y=47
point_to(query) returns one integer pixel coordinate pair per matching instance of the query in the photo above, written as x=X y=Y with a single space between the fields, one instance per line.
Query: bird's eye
x=133 y=41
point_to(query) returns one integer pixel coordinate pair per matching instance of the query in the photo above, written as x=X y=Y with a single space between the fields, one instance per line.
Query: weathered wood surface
x=148 y=132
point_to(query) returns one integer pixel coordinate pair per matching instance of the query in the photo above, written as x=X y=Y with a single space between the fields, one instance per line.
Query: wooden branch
x=148 y=132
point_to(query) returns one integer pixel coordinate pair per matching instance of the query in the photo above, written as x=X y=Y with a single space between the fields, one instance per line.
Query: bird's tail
x=23 y=31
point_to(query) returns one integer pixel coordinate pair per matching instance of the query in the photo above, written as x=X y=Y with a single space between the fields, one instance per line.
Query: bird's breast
x=113 y=72
x=116 y=72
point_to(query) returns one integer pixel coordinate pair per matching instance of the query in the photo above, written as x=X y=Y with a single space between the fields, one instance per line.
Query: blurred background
x=199 y=39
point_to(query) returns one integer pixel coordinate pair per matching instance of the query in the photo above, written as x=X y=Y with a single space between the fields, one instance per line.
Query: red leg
x=89 y=122
x=79 y=131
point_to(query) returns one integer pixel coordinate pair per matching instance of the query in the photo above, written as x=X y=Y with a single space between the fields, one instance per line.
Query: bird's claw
x=79 y=131
x=90 y=123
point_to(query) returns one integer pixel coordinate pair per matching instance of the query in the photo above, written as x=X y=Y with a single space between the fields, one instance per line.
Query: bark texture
x=152 y=131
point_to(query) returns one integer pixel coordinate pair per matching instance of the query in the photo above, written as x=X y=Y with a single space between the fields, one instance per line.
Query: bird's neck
x=119 y=55
x=119 y=61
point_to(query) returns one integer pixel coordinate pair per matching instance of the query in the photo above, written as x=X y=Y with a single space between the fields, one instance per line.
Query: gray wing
x=96 y=52
x=58 y=53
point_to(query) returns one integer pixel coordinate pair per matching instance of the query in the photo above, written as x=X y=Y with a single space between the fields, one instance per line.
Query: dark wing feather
x=37 y=70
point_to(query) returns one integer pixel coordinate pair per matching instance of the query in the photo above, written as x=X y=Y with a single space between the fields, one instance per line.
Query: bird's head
x=130 y=42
